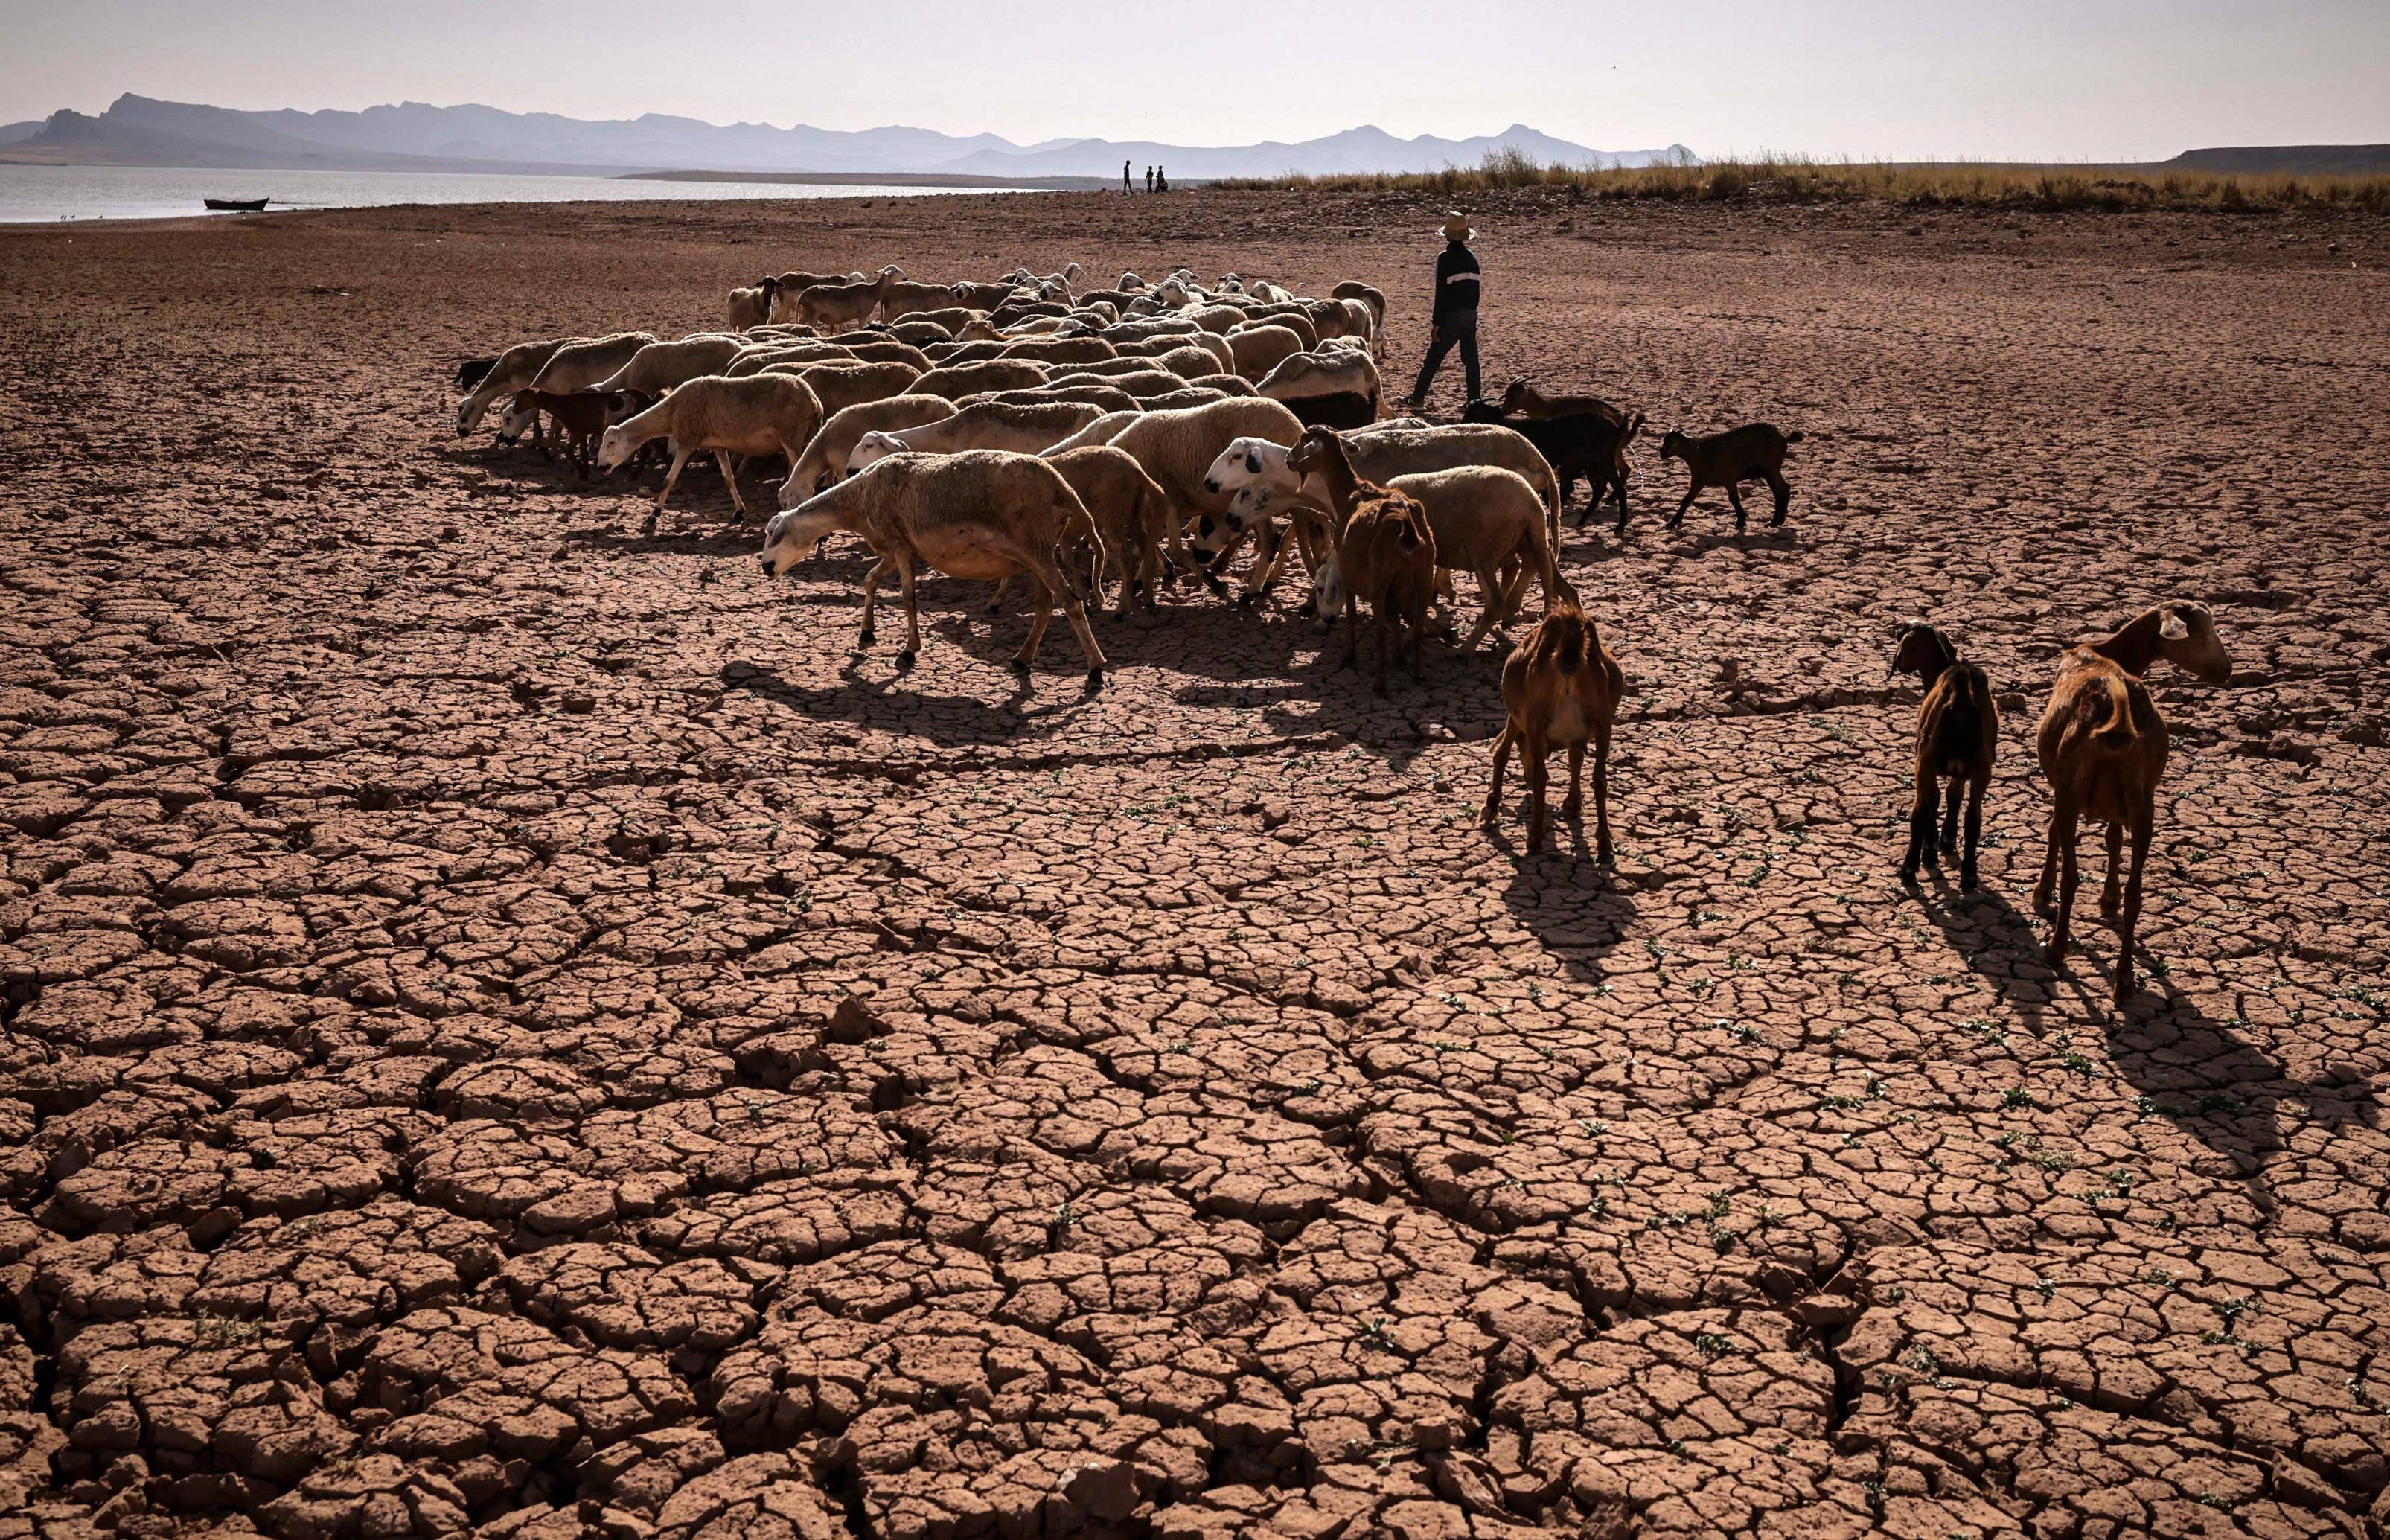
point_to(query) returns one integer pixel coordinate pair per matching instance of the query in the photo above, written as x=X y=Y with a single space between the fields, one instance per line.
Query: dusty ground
x=510 y=1023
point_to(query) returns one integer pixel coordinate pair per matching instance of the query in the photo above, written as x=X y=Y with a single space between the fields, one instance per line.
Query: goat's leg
x=995 y=600
x=1783 y=491
x=1601 y=795
x=1352 y=630
x=1038 y=620
x=1269 y=552
x=2059 y=814
x=871 y=602
x=1619 y=481
x=1573 y=805
x=1950 y=815
x=2111 y=892
x=730 y=479
x=2130 y=924
x=1385 y=612
x=1533 y=763
x=1734 y=496
x=2062 y=835
x=1920 y=827
x=1678 y=517
x=1418 y=639
x=1976 y=788
x=1494 y=788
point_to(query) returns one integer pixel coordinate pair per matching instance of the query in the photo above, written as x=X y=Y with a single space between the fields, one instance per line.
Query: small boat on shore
x=232 y=205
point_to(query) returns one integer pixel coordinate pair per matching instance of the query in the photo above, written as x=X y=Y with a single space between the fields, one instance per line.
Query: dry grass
x=1953 y=184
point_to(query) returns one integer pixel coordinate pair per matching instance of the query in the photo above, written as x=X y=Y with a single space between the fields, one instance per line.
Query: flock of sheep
x=1028 y=427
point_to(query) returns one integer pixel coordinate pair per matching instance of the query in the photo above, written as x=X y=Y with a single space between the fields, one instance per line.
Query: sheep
x=1753 y=452
x=954 y=318
x=785 y=287
x=1129 y=509
x=473 y=371
x=952 y=380
x=1384 y=551
x=1188 y=395
x=1590 y=444
x=1338 y=390
x=1061 y=349
x=1340 y=320
x=578 y=417
x=964 y=353
x=899 y=299
x=1380 y=454
x=511 y=371
x=871 y=349
x=982 y=296
x=1488 y=522
x=1293 y=319
x=753 y=307
x=762 y=414
x=581 y=365
x=1561 y=687
x=1139 y=384
x=1216 y=317
x=1025 y=430
x=842 y=303
x=1259 y=350
x=981 y=514
x=1102 y=431
x=1958 y=736
x=1375 y=299
x=1227 y=384
x=1176 y=446
x=840 y=385
x=2102 y=747
x=1145 y=329
x=1100 y=396
x=918 y=333
x=824 y=460
x=661 y=365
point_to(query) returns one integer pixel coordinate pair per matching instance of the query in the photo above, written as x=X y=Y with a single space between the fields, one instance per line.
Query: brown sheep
x=824 y=460
x=1385 y=551
x=765 y=414
x=1559 y=686
x=753 y=307
x=2103 y=747
x=983 y=514
x=1292 y=317
x=1260 y=349
x=841 y=304
x=1752 y=453
x=579 y=419
x=1958 y=736
x=1061 y=350
x=1129 y=510
x=840 y=384
x=957 y=380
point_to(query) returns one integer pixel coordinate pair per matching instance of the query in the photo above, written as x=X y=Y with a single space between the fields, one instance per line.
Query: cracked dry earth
x=513 y=1027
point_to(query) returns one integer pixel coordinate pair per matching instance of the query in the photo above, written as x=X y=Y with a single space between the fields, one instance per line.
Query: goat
x=1523 y=398
x=580 y=417
x=1591 y=444
x=1752 y=453
x=1957 y=735
x=1561 y=686
x=1385 y=551
x=2103 y=747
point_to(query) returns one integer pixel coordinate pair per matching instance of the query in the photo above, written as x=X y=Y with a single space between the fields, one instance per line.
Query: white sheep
x=989 y=425
x=824 y=462
x=764 y=414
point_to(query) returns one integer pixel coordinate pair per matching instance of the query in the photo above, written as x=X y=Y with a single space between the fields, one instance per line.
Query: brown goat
x=2103 y=747
x=580 y=419
x=1753 y=453
x=1958 y=734
x=1385 y=550
x=1559 y=686
x=1523 y=398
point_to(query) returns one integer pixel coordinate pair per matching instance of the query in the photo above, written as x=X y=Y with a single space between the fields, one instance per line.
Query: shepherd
x=1124 y=182
x=1455 y=311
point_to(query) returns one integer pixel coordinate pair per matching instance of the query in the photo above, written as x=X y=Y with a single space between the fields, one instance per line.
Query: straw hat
x=1456 y=226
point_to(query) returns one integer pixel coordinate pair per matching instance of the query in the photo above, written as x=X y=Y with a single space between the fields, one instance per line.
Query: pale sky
x=2065 y=80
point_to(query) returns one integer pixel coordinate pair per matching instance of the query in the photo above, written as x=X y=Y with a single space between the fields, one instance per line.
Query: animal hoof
x=1246 y=601
x=1094 y=680
x=1908 y=875
x=1966 y=882
x=1219 y=589
x=1021 y=667
x=2054 y=954
x=866 y=636
x=905 y=659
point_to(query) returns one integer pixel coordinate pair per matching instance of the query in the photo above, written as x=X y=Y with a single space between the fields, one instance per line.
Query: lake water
x=47 y=194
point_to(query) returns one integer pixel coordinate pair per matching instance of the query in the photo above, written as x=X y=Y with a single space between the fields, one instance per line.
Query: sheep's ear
x=2172 y=628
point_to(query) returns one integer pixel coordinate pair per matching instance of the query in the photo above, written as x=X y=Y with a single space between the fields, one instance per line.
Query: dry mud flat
x=511 y=1025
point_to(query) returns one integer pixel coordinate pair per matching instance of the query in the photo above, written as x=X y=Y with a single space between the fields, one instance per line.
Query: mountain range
x=416 y=136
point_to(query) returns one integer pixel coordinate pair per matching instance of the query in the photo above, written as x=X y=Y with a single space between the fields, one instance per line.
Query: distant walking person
x=1149 y=179
x=1125 y=182
x=1162 y=179
x=1455 y=313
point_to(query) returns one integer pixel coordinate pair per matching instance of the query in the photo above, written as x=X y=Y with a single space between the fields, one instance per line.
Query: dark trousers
x=1461 y=328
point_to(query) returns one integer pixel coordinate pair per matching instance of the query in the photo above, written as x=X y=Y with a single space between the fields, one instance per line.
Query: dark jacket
x=1455 y=282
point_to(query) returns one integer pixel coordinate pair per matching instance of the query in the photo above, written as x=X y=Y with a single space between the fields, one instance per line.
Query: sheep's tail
x=2117 y=731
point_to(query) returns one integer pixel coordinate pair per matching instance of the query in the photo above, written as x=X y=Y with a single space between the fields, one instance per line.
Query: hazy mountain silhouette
x=142 y=131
